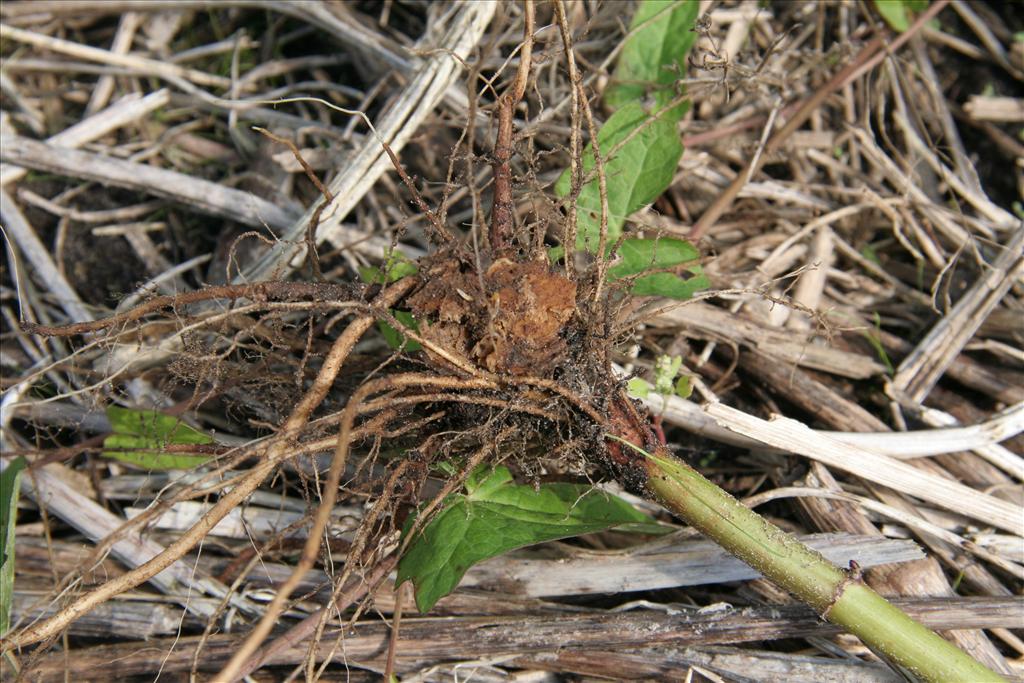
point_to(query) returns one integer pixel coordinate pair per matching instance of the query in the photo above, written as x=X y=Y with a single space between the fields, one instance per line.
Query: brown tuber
x=509 y=319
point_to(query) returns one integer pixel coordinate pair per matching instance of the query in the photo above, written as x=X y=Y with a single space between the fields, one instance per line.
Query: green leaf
x=654 y=57
x=638 y=388
x=640 y=255
x=396 y=266
x=396 y=339
x=683 y=387
x=897 y=13
x=665 y=370
x=871 y=254
x=445 y=467
x=140 y=436
x=671 y=286
x=8 y=511
x=874 y=337
x=635 y=175
x=495 y=516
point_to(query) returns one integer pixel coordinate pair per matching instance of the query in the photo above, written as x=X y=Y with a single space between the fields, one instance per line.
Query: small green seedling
x=395 y=267
x=667 y=380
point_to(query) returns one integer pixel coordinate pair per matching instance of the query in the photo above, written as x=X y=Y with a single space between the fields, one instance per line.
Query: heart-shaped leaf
x=641 y=255
x=654 y=56
x=494 y=516
x=635 y=173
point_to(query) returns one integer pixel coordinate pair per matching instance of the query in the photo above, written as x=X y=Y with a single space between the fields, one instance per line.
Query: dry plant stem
x=503 y=210
x=315 y=623
x=201 y=195
x=839 y=596
x=441 y=233
x=725 y=200
x=602 y=188
x=53 y=626
x=122 y=43
x=345 y=595
x=53 y=487
x=921 y=370
x=212 y=623
x=323 y=514
x=862 y=457
x=277 y=452
x=396 y=622
x=575 y=149
x=469 y=637
x=357 y=555
x=129 y=108
x=865 y=60
x=431 y=77
x=792 y=436
x=262 y=291
x=23 y=240
x=302 y=630
x=77 y=50
x=901 y=39
x=314 y=219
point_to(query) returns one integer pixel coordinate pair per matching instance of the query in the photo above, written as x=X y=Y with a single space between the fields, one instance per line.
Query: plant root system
x=516 y=368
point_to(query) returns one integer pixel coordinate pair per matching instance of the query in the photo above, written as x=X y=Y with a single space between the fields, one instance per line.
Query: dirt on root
x=511 y=318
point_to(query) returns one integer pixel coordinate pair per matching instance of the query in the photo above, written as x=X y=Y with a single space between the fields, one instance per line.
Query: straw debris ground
x=313 y=246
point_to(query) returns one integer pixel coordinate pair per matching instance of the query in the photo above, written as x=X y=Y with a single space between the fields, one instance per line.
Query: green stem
x=838 y=595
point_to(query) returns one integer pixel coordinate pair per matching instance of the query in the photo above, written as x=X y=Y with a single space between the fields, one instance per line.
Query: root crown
x=509 y=320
